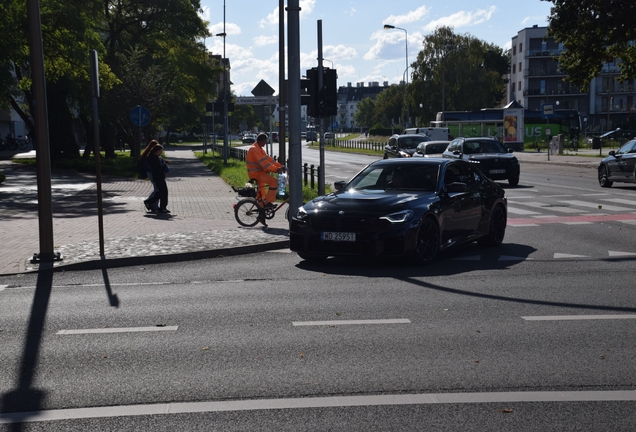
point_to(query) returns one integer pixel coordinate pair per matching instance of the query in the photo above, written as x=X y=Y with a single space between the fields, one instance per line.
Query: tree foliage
x=388 y=105
x=365 y=110
x=150 y=54
x=467 y=73
x=594 y=32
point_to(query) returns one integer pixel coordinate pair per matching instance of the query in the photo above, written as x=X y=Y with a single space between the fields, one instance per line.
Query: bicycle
x=249 y=211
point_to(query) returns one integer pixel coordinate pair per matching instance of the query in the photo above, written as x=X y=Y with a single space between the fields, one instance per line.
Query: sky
x=353 y=38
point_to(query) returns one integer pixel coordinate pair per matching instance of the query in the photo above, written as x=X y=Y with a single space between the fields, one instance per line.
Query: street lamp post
x=406 y=36
x=610 y=102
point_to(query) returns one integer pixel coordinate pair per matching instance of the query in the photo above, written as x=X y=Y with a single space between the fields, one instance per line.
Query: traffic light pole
x=321 y=170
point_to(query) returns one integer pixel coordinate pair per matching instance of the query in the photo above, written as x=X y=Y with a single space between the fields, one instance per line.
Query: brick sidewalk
x=202 y=218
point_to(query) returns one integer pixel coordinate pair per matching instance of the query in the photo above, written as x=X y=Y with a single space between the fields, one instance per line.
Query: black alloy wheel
x=513 y=181
x=428 y=242
x=602 y=177
x=497 y=230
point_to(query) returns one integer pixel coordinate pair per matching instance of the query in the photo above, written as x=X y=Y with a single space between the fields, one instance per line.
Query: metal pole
x=293 y=73
x=282 y=93
x=225 y=83
x=98 y=166
x=321 y=174
x=40 y=114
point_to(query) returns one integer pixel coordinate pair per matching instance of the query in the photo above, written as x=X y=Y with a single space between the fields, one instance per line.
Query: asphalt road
x=534 y=335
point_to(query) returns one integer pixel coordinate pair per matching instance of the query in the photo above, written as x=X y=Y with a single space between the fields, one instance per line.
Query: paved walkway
x=201 y=224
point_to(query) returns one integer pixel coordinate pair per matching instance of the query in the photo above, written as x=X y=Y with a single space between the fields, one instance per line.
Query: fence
x=311 y=173
x=356 y=144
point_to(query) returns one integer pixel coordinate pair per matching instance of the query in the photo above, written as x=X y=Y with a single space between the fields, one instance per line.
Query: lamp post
x=224 y=64
x=610 y=102
x=406 y=36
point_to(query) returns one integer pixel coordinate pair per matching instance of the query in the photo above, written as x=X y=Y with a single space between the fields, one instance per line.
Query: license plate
x=498 y=171
x=338 y=236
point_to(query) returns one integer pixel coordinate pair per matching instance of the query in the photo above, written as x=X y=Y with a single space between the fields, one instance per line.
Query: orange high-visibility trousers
x=265 y=179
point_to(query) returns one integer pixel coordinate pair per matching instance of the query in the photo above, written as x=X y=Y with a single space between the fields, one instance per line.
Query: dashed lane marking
x=564 y=255
x=2 y=287
x=351 y=322
x=620 y=201
x=519 y=211
x=577 y=317
x=620 y=254
x=118 y=330
x=622 y=217
x=316 y=402
x=544 y=206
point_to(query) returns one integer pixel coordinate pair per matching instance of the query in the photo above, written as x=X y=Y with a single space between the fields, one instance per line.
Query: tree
x=365 y=110
x=388 y=106
x=463 y=71
x=594 y=32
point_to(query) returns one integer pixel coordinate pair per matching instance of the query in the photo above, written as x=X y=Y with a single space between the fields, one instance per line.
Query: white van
x=434 y=133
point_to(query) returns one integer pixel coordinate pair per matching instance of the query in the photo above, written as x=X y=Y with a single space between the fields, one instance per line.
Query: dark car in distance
x=487 y=154
x=412 y=208
x=403 y=146
x=619 y=166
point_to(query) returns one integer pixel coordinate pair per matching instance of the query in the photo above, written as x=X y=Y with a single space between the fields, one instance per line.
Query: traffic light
x=323 y=102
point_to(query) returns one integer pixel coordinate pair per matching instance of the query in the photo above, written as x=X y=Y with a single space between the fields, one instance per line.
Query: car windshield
x=486 y=146
x=401 y=177
x=411 y=142
x=436 y=148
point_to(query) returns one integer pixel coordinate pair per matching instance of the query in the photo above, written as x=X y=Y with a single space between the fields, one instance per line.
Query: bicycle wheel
x=247 y=212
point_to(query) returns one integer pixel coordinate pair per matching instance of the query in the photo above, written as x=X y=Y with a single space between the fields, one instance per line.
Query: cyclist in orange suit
x=259 y=165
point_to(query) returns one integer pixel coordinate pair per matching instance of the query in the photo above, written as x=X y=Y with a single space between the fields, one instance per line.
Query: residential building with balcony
x=535 y=80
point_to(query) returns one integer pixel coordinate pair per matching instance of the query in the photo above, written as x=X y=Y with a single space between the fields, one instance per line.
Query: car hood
x=369 y=200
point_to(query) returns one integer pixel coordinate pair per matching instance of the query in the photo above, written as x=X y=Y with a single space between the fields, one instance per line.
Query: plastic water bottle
x=282 y=184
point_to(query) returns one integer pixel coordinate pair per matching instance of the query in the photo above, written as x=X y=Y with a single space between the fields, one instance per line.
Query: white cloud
x=387 y=46
x=539 y=20
x=230 y=29
x=462 y=19
x=306 y=8
x=265 y=40
x=409 y=17
x=351 y=12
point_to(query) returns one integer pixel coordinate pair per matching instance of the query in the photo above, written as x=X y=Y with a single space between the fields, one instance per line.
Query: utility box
x=434 y=133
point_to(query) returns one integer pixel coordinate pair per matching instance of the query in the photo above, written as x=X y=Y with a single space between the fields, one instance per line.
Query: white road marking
x=557 y=209
x=621 y=201
x=577 y=223
x=616 y=254
x=629 y=222
x=351 y=322
x=593 y=205
x=3 y=287
x=556 y=196
x=316 y=402
x=595 y=194
x=523 y=225
x=515 y=210
x=118 y=330
x=286 y=251
x=563 y=255
x=577 y=317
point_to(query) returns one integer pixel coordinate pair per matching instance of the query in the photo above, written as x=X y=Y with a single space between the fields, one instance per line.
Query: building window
x=521 y=47
x=513 y=86
x=514 y=50
x=514 y=68
x=519 y=85
x=520 y=67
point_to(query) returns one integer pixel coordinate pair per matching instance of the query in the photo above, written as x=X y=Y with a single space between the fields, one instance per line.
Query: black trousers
x=161 y=195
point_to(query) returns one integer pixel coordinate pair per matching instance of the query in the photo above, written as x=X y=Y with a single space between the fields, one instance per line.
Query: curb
x=570 y=164
x=107 y=263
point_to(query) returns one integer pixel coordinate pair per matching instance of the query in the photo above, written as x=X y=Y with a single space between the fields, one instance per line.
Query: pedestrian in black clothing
x=159 y=170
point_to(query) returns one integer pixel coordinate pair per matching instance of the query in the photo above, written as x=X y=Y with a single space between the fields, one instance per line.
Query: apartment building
x=535 y=80
x=348 y=98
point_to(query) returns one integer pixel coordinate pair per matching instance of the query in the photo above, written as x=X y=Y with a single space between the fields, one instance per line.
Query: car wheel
x=497 y=229
x=602 y=177
x=428 y=242
x=312 y=257
x=513 y=181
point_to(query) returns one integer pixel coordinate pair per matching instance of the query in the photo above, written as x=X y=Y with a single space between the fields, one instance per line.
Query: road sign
x=256 y=100
x=263 y=89
x=140 y=116
x=334 y=124
x=548 y=111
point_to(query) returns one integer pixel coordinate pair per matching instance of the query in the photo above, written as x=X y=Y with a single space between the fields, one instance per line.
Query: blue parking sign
x=139 y=116
x=334 y=124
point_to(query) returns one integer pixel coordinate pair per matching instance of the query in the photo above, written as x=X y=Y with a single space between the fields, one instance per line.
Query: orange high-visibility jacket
x=259 y=161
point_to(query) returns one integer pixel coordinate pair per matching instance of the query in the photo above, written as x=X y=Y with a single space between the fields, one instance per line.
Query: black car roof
x=416 y=161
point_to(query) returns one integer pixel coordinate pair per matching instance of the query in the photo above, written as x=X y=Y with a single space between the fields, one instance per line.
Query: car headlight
x=301 y=213
x=399 y=217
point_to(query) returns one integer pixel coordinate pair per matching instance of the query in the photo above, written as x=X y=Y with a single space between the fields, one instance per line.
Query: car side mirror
x=510 y=150
x=456 y=152
x=612 y=153
x=340 y=185
x=456 y=187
